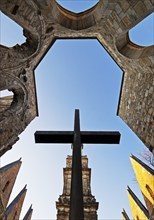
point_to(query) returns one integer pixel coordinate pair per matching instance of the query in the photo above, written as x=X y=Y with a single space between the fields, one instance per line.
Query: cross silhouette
x=77 y=138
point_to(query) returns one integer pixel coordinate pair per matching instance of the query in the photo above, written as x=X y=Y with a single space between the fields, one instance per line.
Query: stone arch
x=144 y=28
x=131 y=50
x=78 y=21
x=19 y=90
x=77 y=6
x=33 y=32
x=17 y=107
x=19 y=53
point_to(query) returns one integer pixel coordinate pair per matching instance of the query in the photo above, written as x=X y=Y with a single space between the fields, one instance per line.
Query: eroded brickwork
x=109 y=21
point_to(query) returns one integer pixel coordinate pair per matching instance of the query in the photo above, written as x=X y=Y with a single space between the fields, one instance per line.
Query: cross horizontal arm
x=58 y=137
x=87 y=137
x=100 y=137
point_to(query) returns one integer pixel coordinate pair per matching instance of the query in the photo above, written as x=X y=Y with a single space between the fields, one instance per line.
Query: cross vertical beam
x=76 y=198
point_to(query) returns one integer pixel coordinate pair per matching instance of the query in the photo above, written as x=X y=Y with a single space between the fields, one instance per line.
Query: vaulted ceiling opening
x=85 y=75
x=143 y=33
x=77 y=6
x=11 y=32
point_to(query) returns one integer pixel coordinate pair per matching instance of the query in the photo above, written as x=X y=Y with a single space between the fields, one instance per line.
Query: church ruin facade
x=45 y=21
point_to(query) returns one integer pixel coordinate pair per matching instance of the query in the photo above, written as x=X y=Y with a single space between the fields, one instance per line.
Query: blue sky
x=75 y=74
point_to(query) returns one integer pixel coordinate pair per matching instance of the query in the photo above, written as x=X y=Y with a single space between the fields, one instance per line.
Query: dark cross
x=77 y=138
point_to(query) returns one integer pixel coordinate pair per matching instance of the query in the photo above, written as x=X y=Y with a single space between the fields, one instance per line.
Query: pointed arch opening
x=139 y=41
x=77 y=6
x=143 y=33
x=80 y=20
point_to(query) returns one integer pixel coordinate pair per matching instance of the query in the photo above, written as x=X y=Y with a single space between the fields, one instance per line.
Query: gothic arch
x=15 y=114
x=82 y=20
x=33 y=32
x=131 y=50
x=19 y=90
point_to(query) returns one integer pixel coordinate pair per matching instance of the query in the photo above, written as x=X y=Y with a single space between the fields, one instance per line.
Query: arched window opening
x=6 y=186
x=11 y=32
x=6 y=98
x=77 y=6
x=143 y=33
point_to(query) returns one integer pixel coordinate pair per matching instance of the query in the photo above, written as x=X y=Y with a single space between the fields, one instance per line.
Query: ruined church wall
x=109 y=22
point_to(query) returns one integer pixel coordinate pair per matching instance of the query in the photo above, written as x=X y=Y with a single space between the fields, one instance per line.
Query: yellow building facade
x=145 y=178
